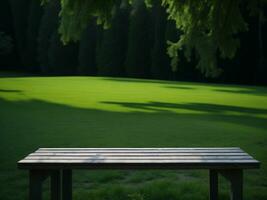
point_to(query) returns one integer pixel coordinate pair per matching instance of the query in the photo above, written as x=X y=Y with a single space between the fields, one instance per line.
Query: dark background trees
x=138 y=59
x=8 y=60
x=48 y=25
x=113 y=45
x=19 y=19
x=135 y=45
x=33 y=18
x=87 y=51
x=160 y=62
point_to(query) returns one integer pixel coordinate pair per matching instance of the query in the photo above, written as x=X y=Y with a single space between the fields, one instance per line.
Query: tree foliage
x=75 y=15
x=53 y=56
x=209 y=28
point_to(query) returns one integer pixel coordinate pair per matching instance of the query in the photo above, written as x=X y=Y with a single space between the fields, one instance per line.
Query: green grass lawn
x=107 y=112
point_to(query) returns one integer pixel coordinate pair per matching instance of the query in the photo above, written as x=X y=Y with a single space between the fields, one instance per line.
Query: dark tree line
x=134 y=45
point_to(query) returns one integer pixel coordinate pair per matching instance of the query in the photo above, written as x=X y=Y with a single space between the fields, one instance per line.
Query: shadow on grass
x=164 y=83
x=253 y=91
x=10 y=91
x=176 y=84
x=203 y=107
x=133 y=80
x=28 y=125
x=180 y=87
x=38 y=123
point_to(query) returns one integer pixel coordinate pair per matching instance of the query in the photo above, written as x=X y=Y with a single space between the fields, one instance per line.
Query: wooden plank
x=138 y=154
x=136 y=148
x=136 y=161
x=139 y=158
x=148 y=151
x=138 y=166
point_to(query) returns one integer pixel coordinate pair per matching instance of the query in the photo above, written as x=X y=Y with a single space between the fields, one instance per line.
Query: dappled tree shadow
x=36 y=123
x=28 y=125
x=238 y=89
x=133 y=80
x=254 y=91
x=204 y=107
x=164 y=82
x=180 y=87
x=10 y=91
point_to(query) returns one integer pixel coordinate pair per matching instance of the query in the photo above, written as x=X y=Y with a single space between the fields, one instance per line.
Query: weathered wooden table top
x=138 y=158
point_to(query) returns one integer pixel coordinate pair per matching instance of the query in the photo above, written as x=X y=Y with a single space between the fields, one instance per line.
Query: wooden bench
x=58 y=164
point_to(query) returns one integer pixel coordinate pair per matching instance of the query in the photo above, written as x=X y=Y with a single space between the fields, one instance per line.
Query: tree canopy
x=209 y=28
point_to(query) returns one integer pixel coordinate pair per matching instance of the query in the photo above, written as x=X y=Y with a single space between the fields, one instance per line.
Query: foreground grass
x=103 y=112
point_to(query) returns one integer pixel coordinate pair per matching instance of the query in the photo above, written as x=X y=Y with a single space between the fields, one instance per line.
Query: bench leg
x=237 y=186
x=36 y=180
x=236 y=180
x=66 y=184
x=213 y=185
x=55 y=185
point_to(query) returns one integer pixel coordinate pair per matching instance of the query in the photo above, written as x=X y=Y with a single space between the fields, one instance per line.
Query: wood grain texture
x=145 y=158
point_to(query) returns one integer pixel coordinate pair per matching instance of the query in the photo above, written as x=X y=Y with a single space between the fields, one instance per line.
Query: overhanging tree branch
x=208 y=27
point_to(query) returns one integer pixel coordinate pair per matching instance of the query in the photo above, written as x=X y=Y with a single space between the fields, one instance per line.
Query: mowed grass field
x=111 y=112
